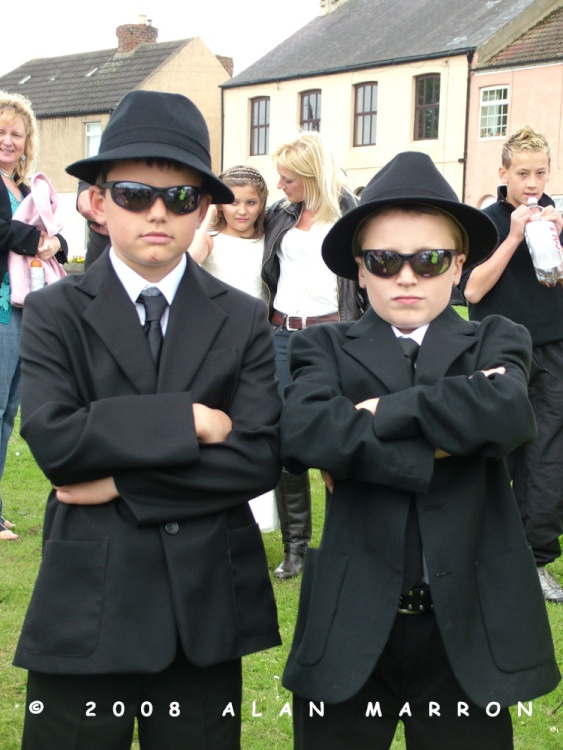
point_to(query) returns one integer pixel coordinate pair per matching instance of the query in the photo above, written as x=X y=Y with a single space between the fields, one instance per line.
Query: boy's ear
x=361 y=272
x=459 y=261
x=502 y=175
x=97 y=204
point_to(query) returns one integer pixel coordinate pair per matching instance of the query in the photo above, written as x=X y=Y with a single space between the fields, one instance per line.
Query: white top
x=237 y=261
x=306 y=286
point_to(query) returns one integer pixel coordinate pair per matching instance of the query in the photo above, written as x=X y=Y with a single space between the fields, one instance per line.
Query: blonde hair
x=241 y=176
x=16 y=105
x=323 y=181
x=524 y=139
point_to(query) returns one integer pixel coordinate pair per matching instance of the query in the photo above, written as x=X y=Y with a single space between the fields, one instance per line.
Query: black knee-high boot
x=293 y=498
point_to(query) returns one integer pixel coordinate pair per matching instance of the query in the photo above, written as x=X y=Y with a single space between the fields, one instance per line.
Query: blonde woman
x=302 y=291
x=18 y=150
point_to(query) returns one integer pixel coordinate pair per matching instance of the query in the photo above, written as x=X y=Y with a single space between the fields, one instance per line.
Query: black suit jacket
x=487 y=599
x=178 y=554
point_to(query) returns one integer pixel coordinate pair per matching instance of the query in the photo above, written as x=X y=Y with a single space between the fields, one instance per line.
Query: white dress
x=238 y=262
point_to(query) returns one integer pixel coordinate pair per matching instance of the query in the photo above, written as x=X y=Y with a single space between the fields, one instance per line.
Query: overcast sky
x=242 y=29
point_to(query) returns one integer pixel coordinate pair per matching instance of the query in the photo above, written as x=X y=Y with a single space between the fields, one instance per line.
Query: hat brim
x=337 y=246
x=89 y=169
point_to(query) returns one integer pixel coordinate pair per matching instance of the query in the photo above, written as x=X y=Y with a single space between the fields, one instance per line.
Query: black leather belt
x=293 y=323
x=418 y=601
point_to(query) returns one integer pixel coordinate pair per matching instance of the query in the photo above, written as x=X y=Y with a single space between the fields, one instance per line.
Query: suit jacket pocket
x=254 y=599
x=65 y=611
x=323 y=576
x=518 y=631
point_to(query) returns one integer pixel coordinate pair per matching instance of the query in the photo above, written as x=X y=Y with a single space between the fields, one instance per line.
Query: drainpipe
x=466 y=138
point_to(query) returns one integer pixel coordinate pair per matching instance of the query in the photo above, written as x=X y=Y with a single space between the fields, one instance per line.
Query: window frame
x=311 y=122
x=92 y=140
x=500 y=129
x=259 y=126
x=365 y=116
x=427 y=110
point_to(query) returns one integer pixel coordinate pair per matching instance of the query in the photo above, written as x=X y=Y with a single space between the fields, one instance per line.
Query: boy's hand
x=328 y=480
x=211 y=425
x=96 y=492
x=492 y=371
x=518 y=220
x=550 y=213
x=369 y=404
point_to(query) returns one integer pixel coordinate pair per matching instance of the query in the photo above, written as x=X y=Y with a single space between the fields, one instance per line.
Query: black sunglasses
x=426 y=263
x=135 y=196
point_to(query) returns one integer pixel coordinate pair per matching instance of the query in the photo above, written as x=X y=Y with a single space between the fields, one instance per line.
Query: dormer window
x=91 y=73
x=25 y=79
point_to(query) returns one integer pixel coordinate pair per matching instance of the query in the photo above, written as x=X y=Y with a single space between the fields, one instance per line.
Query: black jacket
x=280 y=218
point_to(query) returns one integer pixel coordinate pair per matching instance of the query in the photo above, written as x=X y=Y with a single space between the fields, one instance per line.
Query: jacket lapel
x=193 y=325
x=372 y=342
x=110 y=313
x=435 y=359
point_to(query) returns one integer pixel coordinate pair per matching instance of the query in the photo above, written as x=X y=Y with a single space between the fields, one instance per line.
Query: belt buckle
x=303 y=323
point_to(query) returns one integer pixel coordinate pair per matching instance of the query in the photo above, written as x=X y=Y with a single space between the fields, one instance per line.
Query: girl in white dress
x=230 y=245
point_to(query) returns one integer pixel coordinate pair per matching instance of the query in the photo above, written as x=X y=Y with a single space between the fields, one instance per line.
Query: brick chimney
x=130 y=36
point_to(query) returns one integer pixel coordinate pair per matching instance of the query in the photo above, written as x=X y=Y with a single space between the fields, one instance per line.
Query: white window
x=493 y=118
x=558 y=200
x=93 y=136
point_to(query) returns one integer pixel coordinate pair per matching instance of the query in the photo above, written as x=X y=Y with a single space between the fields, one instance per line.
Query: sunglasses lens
x=132 y=196
x=182 y=200
x=431 y=262
x=383 y=262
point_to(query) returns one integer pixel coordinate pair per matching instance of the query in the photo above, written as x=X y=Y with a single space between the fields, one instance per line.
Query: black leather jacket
x=280 y=218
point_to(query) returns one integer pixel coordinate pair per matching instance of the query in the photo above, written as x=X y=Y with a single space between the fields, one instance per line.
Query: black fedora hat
x=156 y=124
x=410 y=177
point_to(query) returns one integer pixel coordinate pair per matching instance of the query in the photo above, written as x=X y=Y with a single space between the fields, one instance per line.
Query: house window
x=310 y=118
x=93 y=136
x=558 y=200
x=427 y=107
x=365 y=114
x=259 y=125
x=493 y=117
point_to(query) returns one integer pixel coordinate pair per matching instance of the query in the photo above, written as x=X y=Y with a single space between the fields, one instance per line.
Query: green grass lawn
x=25 y=490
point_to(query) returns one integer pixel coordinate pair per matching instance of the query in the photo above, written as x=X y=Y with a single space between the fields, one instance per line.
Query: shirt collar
x=134 y=284
x=416 y=335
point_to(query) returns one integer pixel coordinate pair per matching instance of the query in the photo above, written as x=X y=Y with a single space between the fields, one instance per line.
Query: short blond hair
x=459 y=233
x=16 y=105
x=323 y=181
x=525 y=139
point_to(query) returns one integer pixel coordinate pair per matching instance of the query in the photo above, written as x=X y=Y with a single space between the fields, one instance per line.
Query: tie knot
x=155 y=303
x=410 y=348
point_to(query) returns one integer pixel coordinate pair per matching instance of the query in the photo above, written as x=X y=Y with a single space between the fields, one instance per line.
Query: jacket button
x=171 y=527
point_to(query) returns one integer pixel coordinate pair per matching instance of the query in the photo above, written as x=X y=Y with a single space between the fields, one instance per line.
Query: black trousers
x=181 y=708
x=412 y=683
x=537 y=468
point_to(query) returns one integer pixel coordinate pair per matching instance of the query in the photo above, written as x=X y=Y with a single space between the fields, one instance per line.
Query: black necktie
x=413 y=543
x=155 y=304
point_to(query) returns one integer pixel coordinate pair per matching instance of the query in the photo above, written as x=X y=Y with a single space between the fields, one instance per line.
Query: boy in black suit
x=422 y=603
x=154 y=580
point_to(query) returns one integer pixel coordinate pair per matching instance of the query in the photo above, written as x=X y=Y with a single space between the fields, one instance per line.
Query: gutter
x=349 y=68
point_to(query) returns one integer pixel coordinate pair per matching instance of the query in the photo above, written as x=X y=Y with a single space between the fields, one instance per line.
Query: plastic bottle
x=36 y=275
x=544 y=246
